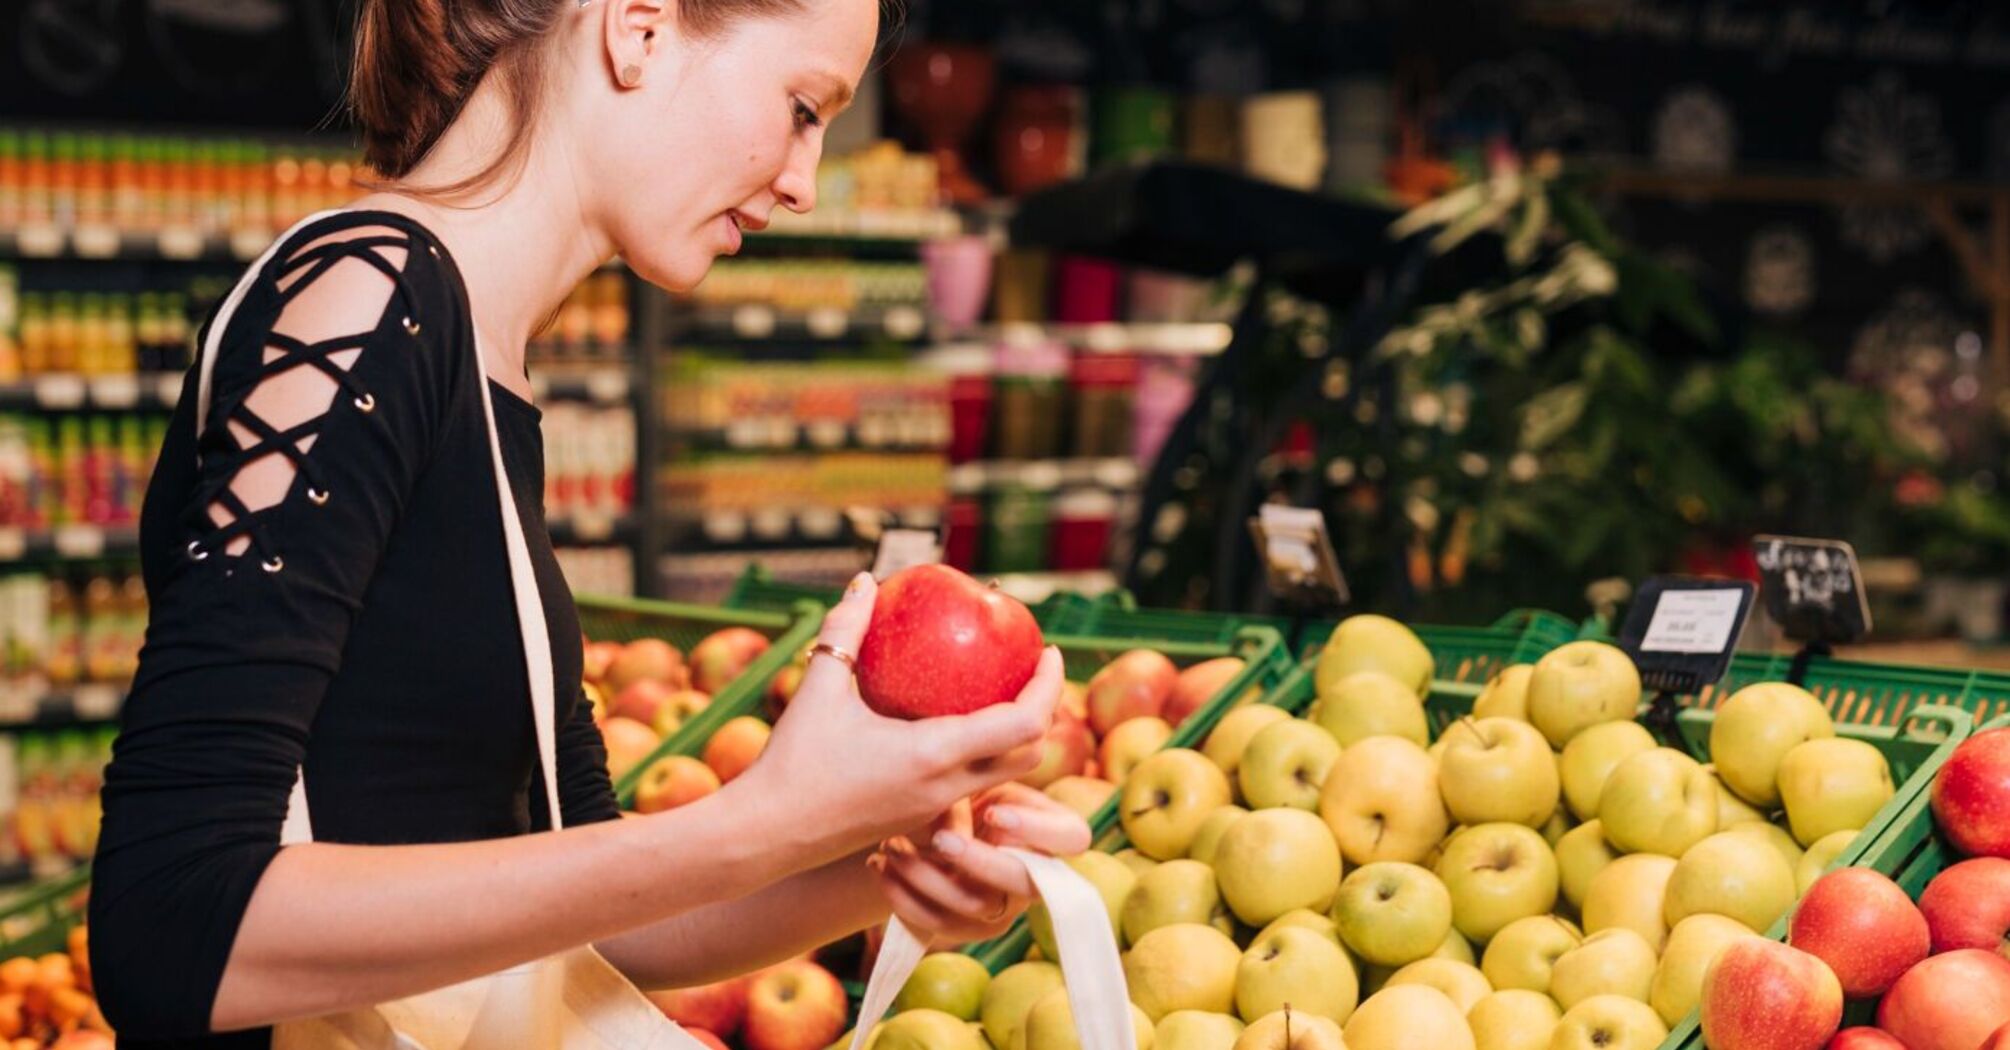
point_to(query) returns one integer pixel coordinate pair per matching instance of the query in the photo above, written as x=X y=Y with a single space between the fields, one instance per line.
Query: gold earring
x=631 y=75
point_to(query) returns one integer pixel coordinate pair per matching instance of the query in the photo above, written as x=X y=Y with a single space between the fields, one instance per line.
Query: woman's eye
x=806 y=117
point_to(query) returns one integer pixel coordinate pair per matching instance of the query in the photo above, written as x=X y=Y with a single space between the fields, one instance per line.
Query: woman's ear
x=635 y=34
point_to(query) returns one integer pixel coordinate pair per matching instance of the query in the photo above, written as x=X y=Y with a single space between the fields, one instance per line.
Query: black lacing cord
x=219 y=446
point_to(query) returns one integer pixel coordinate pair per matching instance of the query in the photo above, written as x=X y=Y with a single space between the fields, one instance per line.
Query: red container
x=1082 y=522
x=963 y=519
x=970 y=400
x=1085 y=291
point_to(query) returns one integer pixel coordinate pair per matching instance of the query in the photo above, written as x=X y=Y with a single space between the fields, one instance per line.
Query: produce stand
x=39 y=921
x=756 y=588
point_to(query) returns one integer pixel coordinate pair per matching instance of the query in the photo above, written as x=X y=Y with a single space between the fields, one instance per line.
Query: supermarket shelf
x=789 y=526
x=1118 y=473
x=70 y=391
x=759 y=322
x=606 y=384
x=787 y=435
x=1185 y=339
x=1035 y=587
x=172 y=244
x=83 y=705
x=892 y=224
x=69 y=542
x=584 y=529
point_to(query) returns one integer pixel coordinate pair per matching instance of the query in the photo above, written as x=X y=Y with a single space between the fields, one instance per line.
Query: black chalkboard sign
x=1299 y=562
x=1682 y=630
x=1813 y=588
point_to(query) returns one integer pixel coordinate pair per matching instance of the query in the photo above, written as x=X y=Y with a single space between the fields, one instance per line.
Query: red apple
x=1971 y=795
x=1864 y=1037
x=640 y=700
x=735 y=747
x=1134 y=685
x=794 y=1006
x=1065 y=751
x=677 y=780
x=1968 y=905
x=1074 y=700
x=1864 y=926
x=646 y=658
x=599 y=659
x=597 y=698
x=677 y=709
x=717 y=1008
x=1764 y=995
x=628 y=742
x=1200 y=683
x=720 y=658
x=1949 y=1002
x=707 y=1038
x=940 y=643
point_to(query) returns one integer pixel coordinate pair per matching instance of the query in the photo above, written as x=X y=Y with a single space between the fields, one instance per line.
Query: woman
x=332 y=605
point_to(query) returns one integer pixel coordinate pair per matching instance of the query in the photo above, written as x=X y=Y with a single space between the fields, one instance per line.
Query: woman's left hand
x=957 y=884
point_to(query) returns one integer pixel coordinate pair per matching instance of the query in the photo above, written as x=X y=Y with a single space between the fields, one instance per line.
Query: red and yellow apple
x=1863 y=926
x=940 y=643
x=1064 y=751
x=1949 y=1002
x=1864 y=1037
x=722 y=655
x=1200 y=683
x=628 y=742
x=735 y=746
x=598 y=659
x=1971 y=795
x=1136 y=684
x=677 y=709
x=1764 y=995
x=718 y=1007
x=1968 y=905
x=795 y=1006
x=677 y=780
x=651 y=658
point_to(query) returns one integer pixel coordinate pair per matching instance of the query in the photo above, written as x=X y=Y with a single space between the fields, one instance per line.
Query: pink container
x=959 y=279
x=1165 y=388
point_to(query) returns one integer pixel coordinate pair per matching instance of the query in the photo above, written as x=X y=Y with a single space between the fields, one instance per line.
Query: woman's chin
x=676 y=273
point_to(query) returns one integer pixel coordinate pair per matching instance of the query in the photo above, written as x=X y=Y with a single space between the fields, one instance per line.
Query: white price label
x=607 y=385
x=828 y=322
x=825 y=433
x=588 y=527
x=903 y=548
x=1693 y=621
x=904 y=322
x=249 y=242
x=40 y=240
x=754 y=321
x=115 y=391
x=180 y=242
x=95 y=241
x=60 y=391
x=97 y=702
x=80 y=541
x=773 y=523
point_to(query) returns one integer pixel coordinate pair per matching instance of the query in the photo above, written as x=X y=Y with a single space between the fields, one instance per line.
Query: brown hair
x=417 y=61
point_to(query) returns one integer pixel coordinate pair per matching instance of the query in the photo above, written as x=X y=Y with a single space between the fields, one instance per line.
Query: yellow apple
x=1291 y=1029
x=1137 y=862
x=1129 y=743
x=1831 y=785
x=1819 y=856
x=1391 y=914
x=1453 y=947
x=1185 y=967
x=1306 y=918
x=1050 y=1025
x=1581 y=854
x=1692 y=946
x=1497 y=873
x=1196 y=1030
x=1515 y=1019
x=1381 y=801
x=1506 y=694
x=1738 y=876
x=1730 y=808
x=1609 y=1022
x=1113 y=880
x=1274 y=861
x=1225 y=745
x=1609 y=962
x=1084 y=795
x=1178 y=891
x=1523 y=953
x=951 y=982
x=1462 y=983
x=1011 y=995
x=1556 y=827
x=1579 y=685
x=1497 y=770
x=1408 y=1017
x=1590 y=758
x=1296 y=967
x=1370 y=703
x=1286 y=764
x=925 y=1029
x=1631 y=894
x=1208 y=838
x=1658 y=801
x=1166 y=800
x=1755 y=728
x=1772 y=835
x=1374 y=643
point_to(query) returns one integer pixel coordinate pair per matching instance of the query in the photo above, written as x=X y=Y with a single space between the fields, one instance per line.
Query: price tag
x=1681 y=631
x=13 y=544
x=901 y=548
x=1298 y=556
x=754 y=321
x=115 y=391
x=80 y=541
x=827 y=322
x=820 y=523
x=607 y=385
x=773 y=523
x=1813 y=588
x=42 y=240
x=60 y=391
x=725 y=526
x=96 y=702
x=904 y=322
x=826 y=433
x=95 y=241
x=180 y=242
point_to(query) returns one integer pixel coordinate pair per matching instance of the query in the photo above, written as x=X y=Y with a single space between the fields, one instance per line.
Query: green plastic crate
x=1871 y=693
x=684 y=626
x=1901 y=841
x=1061 y=613
x=40 y=919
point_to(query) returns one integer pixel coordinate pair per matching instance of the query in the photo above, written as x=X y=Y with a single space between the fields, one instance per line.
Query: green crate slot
x=40 y=920
x=1900 y=841
x=684 y=626
x=1871 y=693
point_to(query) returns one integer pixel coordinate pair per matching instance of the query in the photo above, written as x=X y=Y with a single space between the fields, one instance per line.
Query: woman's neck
x=521 y=244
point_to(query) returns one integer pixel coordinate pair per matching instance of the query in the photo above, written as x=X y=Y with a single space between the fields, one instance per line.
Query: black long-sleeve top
x=365 y=633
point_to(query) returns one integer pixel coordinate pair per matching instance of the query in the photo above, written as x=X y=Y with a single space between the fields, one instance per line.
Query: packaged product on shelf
x=63 y=664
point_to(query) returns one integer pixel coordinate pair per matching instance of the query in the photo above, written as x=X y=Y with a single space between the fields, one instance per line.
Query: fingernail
x=857 y=585
x=1003 y=818
x=949 y=843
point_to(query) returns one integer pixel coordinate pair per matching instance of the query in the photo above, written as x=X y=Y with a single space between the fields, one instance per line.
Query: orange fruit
x=18 y=973
x=57 y=971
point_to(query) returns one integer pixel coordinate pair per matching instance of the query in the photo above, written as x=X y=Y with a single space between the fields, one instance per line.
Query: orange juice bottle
x=128 y=198
x=64 y=332
x=11 y=188
x=34 y=333
x=94 y=181
x=179 y=169
x=37 y=195
x=150 y=169
x=256 y=174
x=63 y=164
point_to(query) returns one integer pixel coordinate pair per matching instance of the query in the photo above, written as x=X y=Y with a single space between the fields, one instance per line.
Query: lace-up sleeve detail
x=334 y=375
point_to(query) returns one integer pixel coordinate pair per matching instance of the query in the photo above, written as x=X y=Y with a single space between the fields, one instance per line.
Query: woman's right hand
x=851 y=777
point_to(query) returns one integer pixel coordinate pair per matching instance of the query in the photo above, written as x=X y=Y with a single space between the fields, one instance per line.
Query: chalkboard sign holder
x=1681 y=632
x=1814 y=591
x=1301 y=568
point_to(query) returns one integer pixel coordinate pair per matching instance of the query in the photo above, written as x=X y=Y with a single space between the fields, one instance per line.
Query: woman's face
x=722 y=130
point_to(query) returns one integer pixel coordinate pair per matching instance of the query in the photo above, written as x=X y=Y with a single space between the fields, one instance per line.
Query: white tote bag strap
x=523 y=576
x=1097 y=995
